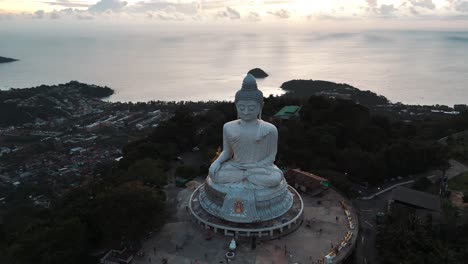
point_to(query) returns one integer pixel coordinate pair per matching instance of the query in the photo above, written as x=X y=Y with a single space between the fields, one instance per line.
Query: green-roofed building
x=288 y=112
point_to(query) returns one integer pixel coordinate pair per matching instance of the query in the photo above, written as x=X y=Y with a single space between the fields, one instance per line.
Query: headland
x=5 y=59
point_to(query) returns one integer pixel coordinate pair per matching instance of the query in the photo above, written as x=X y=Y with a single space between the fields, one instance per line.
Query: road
x=366 y=252
x=455 y=169
x=376 y=201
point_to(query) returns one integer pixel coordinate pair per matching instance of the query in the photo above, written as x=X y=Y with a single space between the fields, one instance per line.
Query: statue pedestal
x=267 y=229
x=245 y=202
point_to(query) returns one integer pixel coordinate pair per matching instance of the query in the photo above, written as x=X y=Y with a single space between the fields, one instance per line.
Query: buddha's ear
x=260 y=112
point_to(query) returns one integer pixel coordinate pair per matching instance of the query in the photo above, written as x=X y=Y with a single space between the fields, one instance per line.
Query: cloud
x=84 y=17
x=107 y=5
x=387 y=10
x=461 y=6
x=253 y=16
x=423 y=3
x=191 y=8
x=39 y=14
x=67 y=11
x=221 y=14
x=54 y=15
x=228 y=13
x=214 y=4
x=372 y=3
x=282 y=13
x=166 y=16
x=67 y=3
x=413 y=11
x=207 y=10
x=382 y=10
x=233 y=14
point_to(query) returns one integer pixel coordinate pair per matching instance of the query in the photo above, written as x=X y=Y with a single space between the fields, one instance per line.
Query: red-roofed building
x=305 y=181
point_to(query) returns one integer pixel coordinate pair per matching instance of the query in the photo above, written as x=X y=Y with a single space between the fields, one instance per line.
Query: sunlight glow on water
x=411 y=67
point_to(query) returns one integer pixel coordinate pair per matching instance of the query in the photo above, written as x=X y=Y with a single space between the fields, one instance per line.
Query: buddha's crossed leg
x=266 y=177
x=229 y=174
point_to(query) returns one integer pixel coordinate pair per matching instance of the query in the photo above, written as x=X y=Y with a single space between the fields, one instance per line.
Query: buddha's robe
x=252 y=151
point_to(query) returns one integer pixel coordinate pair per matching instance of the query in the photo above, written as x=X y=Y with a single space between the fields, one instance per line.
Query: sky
x=400 y=13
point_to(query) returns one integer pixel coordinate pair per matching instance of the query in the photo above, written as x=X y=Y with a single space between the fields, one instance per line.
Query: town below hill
x=19 y=106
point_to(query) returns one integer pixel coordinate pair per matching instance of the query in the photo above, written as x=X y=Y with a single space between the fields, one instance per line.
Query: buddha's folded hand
x=214 y=168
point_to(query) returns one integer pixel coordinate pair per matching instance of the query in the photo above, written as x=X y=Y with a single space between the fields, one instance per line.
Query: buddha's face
x=247 y=110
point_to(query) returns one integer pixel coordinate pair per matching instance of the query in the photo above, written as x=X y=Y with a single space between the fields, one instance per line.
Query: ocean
x=413 y=67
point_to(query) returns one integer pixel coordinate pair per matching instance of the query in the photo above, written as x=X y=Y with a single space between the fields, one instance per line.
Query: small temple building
x=288 y=112
x=305 y=181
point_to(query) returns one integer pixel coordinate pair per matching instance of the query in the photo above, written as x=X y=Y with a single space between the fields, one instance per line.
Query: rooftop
x=416 y=198
x=307 y=174
x=288 y=111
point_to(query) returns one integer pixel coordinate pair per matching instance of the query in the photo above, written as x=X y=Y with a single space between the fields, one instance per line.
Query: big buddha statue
x=243 y=184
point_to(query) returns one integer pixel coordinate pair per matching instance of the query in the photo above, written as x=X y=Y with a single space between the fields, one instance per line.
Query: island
x=258 y=73
x=5 y=59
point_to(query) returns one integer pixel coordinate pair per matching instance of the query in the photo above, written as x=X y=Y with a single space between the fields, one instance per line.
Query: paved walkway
x=456 y=168
x=182 y=241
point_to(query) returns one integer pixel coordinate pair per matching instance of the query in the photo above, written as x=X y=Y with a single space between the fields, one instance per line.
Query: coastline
x=303 y=89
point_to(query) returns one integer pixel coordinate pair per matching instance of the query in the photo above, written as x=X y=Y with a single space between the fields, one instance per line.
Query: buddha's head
x=249 y=100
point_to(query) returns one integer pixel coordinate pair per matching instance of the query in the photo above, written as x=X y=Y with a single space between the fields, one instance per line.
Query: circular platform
x=272 y=228
x=245 y=202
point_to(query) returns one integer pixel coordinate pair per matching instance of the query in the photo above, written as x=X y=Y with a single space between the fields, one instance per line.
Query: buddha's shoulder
x=268 y=126
x=263 y=124
x=231 y=124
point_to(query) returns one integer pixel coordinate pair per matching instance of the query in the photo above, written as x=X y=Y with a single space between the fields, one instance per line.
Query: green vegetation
x=423 y=184
x=186 y=172
x=306 y=88
x=410 y=238
x=338 y=180
x=459 y=183
x=458 y=146
x=343 y=136
x=149 y=171
x=166 y=141
x=61 y=91
x=82 y=220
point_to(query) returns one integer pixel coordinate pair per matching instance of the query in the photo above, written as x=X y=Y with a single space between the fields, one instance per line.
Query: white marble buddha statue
x=249 y=144
x=243 y=184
